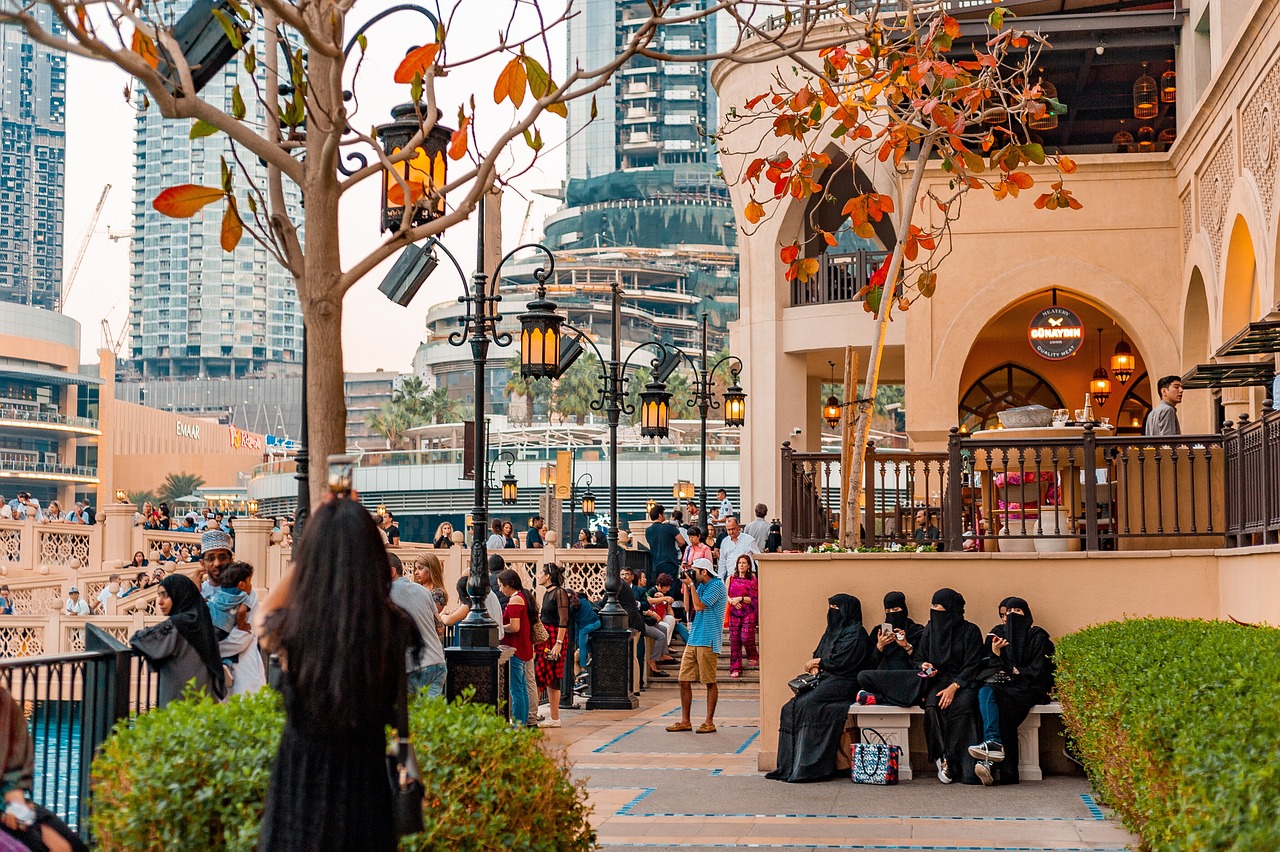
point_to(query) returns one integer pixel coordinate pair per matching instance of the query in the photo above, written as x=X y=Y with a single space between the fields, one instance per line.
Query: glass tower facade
x=194 y=309
x=33 y=99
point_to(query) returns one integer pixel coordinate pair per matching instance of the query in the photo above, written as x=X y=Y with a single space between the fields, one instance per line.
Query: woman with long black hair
x=342 y=645
x=1019 y=671
x=549 y=658
x=183 y=648
x=812 y=722
x=951 y=659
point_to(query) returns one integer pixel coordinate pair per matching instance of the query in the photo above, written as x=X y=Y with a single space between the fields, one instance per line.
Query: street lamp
x=611 y=645
x=735 y=401
x=121 y=496
x=588 y=504
x=510 y=487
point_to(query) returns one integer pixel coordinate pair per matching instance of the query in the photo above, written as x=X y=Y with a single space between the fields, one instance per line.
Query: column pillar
x=253 y=537
x=117 y=532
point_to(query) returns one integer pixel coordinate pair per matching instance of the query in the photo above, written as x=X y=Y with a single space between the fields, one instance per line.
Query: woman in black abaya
x=893 y=680
x=1020 y=658
x=951 y=648
x=812 y=722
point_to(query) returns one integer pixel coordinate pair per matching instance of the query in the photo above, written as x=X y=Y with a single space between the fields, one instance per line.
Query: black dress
x=1031 y=652
x=893 y=678
x=329 y=790
x=812 y=722
x=954 y=646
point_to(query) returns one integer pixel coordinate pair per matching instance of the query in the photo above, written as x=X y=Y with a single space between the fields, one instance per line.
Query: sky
x=376 y=332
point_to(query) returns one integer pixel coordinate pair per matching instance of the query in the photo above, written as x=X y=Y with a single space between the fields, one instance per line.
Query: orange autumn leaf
x=511 y=83
x=185 y=201
x=232 y=227
x=458 y=141
x=395 y=193
x=790 y=253
x=754 y=212
x=146 y=48
x=417 y=61
x=1066 y=165
x=1022 y=180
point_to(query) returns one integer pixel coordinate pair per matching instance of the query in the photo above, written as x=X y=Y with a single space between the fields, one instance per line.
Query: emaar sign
x=188 y=430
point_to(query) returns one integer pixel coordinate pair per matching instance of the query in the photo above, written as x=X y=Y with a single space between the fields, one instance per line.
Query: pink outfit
x=742 y=621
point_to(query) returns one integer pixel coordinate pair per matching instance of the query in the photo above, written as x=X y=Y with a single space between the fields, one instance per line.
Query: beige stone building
x=1174 y=253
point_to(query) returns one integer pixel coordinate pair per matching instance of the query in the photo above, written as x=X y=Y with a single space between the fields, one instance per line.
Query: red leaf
x=458 y=141
x=185 y=201
x=232 y=228
x=417 y=61
x=146 y=48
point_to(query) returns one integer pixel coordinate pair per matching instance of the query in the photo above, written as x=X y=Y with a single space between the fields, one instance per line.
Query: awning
x=1236 y=375
x=1257 y=338
x=29 y=373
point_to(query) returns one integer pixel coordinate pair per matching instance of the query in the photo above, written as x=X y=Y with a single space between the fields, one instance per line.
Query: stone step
x=670 y=684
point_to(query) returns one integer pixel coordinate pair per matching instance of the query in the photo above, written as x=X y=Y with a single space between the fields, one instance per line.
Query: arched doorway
x=1199 y=407
x=1007 y=386
x=1135 y=406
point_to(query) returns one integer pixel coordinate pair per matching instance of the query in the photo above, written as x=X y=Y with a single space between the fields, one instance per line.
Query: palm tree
x=178 y=485
x=411 y=397
x=573 y=394
x=519 y=387
x=440 y=407
x=390 y=422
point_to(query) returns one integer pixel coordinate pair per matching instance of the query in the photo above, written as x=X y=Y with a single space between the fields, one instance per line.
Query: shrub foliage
x=1177 y=724
x=194 y=776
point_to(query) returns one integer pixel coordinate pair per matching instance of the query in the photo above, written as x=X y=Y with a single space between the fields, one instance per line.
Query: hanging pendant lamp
x=1049 y=119
x=1122 y=361
x=1100 y=386
x=1146 y=99
x=1169 y=85
x=832 y=411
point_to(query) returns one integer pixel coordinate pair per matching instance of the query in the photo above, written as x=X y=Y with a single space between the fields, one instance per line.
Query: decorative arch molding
x=1085 y=280
x=1246 y=205
x=1192 y=351
x=1200 y=256
x=999 y=389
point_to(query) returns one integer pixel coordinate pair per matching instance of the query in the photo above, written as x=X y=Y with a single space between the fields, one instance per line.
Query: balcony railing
x=28 y=417
x=21 y=463
x=1085 y=492
x=838 y=279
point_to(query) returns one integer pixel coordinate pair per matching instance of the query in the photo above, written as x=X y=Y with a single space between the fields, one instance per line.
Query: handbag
x=540 y=633
x=402 y=770
x=804 y=682
x=875 y=763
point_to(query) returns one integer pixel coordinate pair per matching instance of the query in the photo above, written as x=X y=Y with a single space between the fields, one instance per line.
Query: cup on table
x=1079 y=418
x=1059 y=417
x=1106 y=423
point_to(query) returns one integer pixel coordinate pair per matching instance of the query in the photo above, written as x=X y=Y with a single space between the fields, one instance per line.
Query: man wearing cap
x=74 y=605
x=705 y=597
x=215 y=554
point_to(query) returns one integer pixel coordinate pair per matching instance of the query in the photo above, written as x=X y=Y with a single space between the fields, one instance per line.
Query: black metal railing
x=1087 y=491
x=71 y=702
x=838 y=279
x=1251 y=452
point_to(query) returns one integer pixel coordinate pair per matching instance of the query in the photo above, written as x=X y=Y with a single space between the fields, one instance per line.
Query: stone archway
x=1198 y=406
x=1240 y=292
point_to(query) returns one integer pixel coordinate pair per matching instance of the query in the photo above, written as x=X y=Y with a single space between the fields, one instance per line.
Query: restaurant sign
x=1056 y=333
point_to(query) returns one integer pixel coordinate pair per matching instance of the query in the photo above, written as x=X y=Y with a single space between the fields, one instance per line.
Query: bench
x=894 y=723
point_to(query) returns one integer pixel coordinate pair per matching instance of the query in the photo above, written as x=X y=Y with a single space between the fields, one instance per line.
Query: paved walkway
x=655 y=790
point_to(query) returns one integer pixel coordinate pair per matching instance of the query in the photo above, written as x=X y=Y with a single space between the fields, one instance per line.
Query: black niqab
x=946 y=647
x=1017 y=631
x=190 y=617
x=844 y=644
x=897 y=619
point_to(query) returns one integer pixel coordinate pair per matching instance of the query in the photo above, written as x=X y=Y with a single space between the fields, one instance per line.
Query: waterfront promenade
x=654 y=790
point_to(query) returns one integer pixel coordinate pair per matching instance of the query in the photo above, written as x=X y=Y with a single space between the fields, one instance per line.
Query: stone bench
x=894 y=724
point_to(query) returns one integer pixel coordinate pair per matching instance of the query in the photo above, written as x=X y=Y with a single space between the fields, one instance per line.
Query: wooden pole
x=849 y=514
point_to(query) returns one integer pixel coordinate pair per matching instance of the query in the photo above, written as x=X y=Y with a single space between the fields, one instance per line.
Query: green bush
x=194 y=776
x=191 y=776
x=1177 y=724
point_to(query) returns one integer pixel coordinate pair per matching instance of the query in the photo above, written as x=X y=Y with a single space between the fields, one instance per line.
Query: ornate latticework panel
x=527 y=569
x=585 y=577
x=21 y=641
x=39 y=600
x=146 y=601
x=156 y=539
x=10 y=545
x=1258 y=134
x=1215 y=191
x=74 y=643
x=60 y=549
x=1186 y=222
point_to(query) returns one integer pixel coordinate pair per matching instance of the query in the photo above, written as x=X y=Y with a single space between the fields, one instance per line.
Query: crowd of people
x=24 y=507
x=975 y=688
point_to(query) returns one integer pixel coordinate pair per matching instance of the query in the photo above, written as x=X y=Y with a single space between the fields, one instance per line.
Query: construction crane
x=84 y=245
x=113 y=343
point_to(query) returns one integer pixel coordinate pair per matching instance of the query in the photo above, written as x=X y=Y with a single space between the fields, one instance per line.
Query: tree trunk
x=326 y=402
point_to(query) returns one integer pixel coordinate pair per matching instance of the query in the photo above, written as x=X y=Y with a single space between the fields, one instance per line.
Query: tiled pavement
x=655 y=790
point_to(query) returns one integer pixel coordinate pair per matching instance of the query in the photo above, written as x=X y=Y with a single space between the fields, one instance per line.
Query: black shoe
x=984 y=772
x=658 y=673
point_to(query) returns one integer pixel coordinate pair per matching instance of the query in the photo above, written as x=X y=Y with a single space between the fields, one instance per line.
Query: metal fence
x=1088 y=491
x=71 y=702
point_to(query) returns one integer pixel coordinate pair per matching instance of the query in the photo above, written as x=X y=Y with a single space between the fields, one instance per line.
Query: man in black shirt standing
x=533 y=538
x=664 y=542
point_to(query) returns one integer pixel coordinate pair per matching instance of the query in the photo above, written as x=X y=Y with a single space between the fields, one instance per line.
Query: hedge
x=1177 y=723
x=194 y=776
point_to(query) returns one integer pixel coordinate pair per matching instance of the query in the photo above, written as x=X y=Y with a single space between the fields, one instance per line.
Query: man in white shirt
x=111 y=589
x=735 y=542
x=759 y=528
x=74 y=605
x=724 y=507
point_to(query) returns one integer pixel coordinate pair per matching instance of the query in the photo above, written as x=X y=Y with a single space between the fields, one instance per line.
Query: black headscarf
x=1017 y=631
x=897 y=619
x=190 y=617
x=946 y=638
x=844 y=647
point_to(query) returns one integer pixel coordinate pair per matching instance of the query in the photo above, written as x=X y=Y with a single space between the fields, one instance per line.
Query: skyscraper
x=194 y=309
x=33 y=98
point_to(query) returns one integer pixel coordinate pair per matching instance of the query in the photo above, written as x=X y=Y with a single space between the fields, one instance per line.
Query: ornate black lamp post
x=588 y=504
x=510 y=486
x=540 y=356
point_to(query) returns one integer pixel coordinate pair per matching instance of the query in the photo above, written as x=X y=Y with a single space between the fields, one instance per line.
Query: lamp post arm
x=540 y=274
x=401 y=7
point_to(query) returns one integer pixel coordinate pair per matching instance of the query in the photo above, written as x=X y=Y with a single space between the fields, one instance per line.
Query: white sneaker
x=549 y=723
x=944 y=774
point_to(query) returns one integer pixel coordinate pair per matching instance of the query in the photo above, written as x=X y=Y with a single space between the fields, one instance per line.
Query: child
x=230 y=606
